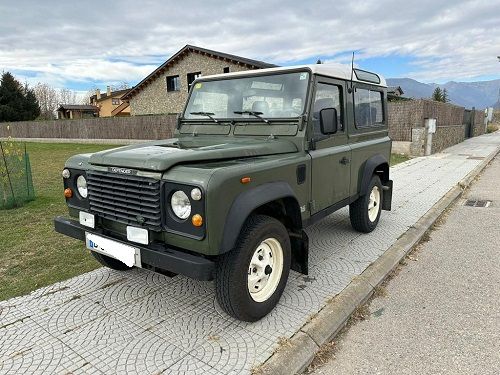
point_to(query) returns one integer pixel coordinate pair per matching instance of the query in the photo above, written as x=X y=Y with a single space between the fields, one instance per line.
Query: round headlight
x=66 y=173
x=196 y=194
x=81 y=185
x=181 y=205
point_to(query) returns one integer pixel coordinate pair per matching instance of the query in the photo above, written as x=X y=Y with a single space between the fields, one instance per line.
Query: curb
x=303 y=345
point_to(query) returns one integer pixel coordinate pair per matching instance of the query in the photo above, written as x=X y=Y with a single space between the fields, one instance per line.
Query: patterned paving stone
x=140 y=322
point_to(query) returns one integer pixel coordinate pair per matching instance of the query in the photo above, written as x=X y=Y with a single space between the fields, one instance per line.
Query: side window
x=173 y=83
x=368 y=110
x=327 y=96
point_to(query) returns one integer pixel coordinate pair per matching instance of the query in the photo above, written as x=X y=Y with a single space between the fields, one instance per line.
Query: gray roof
x=255 y=64
x=394 y=89
x=78 y=107
x=104 y=95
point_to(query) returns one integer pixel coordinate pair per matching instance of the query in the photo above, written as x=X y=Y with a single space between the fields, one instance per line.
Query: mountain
x=479 y=94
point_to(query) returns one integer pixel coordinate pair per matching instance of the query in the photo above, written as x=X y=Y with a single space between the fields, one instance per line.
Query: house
x=76 y=111
x=395 y=93
x=165 y=90
x=110 y=103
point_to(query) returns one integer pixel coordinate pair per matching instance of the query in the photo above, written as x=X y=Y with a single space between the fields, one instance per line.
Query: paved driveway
x=140 y=322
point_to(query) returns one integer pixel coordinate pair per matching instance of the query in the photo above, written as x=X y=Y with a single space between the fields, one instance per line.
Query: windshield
x=256 y=97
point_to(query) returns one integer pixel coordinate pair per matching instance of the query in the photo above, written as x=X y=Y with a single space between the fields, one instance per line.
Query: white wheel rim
x=374 y=204
x=265 y=269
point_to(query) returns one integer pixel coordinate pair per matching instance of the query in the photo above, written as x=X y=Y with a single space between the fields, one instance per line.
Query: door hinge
x=344 y=161
x=312 y=206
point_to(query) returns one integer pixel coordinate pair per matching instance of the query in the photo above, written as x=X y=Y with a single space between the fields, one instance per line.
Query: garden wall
x=407 y=124
x=134 y=127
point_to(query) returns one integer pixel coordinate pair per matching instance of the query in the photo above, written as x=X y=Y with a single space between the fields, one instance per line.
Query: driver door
x=331 y=154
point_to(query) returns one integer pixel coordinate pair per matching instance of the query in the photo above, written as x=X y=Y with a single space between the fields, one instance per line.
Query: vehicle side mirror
x=328 y=120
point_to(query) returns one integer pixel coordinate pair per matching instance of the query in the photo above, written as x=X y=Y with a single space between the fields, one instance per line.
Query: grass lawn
x=398 y=158
x=32 y=254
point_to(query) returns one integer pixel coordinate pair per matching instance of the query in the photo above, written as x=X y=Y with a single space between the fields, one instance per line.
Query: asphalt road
x=441 y=313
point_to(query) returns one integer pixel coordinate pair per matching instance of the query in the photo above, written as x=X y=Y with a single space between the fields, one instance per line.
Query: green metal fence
x=16 y=182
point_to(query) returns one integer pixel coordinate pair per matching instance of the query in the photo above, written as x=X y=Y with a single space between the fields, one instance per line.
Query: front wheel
x=365 y=211
x=250 y=279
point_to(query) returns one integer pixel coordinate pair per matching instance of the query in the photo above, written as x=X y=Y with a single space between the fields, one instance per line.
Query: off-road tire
x=358 y=210
x=231 y=277
x=110 y=262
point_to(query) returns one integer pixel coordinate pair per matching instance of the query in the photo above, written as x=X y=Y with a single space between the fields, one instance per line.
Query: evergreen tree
x=319 y=61
x=17 y=103
x=445 y=96
x=31 y=106
x=437 y=95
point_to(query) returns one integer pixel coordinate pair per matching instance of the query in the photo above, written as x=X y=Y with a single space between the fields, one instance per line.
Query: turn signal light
x=197 y=220
x=245 y=180
x=68 y=193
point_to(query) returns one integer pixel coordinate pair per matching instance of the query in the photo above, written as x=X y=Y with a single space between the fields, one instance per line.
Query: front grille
x=131 y=200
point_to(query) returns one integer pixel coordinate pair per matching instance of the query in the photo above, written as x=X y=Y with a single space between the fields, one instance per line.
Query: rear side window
x=368 y=109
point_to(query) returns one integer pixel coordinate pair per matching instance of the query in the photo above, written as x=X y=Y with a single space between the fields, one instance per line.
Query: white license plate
x=129 y=255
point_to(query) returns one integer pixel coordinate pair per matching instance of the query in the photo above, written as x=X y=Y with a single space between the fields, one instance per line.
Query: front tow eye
x=268 y=270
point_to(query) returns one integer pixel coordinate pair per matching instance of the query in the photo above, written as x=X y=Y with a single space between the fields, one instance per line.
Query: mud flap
x=387 y=196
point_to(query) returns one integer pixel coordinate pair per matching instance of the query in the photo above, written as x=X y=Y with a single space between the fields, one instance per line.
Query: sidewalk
x=141 y=322
x=441 y=314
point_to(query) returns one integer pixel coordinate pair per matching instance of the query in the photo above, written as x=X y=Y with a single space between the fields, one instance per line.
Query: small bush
x=491 y=128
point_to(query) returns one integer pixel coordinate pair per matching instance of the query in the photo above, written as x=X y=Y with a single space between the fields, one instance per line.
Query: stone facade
x=479 y=126
x=447 y=136
x=154 y=98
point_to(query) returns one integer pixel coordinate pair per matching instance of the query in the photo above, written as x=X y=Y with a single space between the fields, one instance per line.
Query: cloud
x=106 y=42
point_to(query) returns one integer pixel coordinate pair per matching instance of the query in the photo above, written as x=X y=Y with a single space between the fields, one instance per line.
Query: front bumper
x=160 y=256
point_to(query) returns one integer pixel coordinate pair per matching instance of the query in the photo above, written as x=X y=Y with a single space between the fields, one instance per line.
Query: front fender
x=245 y=203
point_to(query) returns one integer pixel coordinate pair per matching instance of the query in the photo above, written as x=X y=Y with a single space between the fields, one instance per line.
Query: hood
x=162 y=155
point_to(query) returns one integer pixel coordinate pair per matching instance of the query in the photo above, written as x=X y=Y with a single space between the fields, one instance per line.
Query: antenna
x=352 y=72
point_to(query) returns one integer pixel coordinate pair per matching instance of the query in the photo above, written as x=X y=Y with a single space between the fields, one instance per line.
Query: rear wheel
x=251 y=278
x=365 y=211
x=110 y=262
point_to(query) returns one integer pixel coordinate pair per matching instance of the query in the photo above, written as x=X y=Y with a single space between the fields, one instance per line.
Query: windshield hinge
x=312 y=144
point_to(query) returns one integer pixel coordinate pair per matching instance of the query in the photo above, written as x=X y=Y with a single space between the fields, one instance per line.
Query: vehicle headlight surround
x=180 y=204
x=81 y=186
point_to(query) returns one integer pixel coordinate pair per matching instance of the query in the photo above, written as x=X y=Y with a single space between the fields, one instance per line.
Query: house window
x=173 y=83
x=115 y=101
x=368 y=109
x=191 y=77
x=226 y=69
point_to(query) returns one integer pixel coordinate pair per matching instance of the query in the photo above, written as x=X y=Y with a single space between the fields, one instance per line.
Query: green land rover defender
x=257 y=157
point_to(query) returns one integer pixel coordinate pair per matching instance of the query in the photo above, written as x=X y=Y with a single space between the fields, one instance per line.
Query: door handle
x=344 y=161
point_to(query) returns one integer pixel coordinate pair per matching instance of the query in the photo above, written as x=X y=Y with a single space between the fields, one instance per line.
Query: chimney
x=108 y=91
x=98 y=94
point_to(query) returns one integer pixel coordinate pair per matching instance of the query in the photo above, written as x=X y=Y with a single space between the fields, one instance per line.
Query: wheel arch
x=378 y=165
x=274 y=199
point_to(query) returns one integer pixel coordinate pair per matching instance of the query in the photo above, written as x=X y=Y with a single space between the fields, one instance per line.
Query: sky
x=81 y=45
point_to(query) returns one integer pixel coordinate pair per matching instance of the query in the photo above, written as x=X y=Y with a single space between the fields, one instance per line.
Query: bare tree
x=67 y=96
x=48 y=99
x=91 y=92
x=120 y=86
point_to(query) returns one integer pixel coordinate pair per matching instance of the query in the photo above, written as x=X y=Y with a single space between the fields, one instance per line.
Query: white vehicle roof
x=331 y=70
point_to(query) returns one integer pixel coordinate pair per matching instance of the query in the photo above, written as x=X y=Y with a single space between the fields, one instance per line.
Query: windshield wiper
x=208 y=114
x=252 y=113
